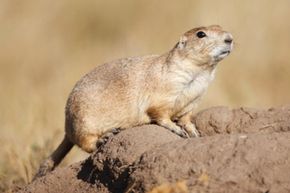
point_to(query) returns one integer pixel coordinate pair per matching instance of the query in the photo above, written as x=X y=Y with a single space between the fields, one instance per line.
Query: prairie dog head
x=205 y=45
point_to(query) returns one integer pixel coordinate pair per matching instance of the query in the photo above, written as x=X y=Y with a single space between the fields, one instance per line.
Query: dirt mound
x=222 y=120
x=235 y=163
x=250 y=154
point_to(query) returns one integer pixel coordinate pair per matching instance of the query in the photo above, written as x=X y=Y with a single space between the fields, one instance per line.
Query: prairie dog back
x=161 y=89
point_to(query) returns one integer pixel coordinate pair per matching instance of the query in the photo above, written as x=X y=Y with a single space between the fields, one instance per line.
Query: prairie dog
x=163 y=89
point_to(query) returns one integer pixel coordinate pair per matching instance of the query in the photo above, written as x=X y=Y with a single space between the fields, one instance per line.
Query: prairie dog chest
x=192 y=87
x=200 y=82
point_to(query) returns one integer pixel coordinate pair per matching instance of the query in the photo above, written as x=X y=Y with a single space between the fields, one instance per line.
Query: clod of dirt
x=150 y=157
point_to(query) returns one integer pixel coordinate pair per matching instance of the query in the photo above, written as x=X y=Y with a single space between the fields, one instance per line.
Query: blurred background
x=46 y=46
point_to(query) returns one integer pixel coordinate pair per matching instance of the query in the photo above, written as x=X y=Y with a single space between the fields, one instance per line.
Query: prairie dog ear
x=182 y=42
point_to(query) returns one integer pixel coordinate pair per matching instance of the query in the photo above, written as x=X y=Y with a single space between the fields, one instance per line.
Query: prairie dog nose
x=228 y=39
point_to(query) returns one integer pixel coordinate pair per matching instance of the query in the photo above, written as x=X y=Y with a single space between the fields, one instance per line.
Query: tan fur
x=141 y=90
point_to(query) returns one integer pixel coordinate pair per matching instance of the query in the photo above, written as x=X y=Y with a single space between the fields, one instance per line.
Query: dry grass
x=47 y=45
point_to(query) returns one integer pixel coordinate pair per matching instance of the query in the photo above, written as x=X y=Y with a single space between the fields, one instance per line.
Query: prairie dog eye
x=200 y=34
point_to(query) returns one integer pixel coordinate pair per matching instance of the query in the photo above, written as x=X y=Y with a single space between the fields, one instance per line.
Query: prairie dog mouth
x=224 y=53
x=220 y=53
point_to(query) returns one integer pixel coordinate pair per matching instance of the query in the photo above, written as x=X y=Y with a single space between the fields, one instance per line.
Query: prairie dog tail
x=55 y=158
